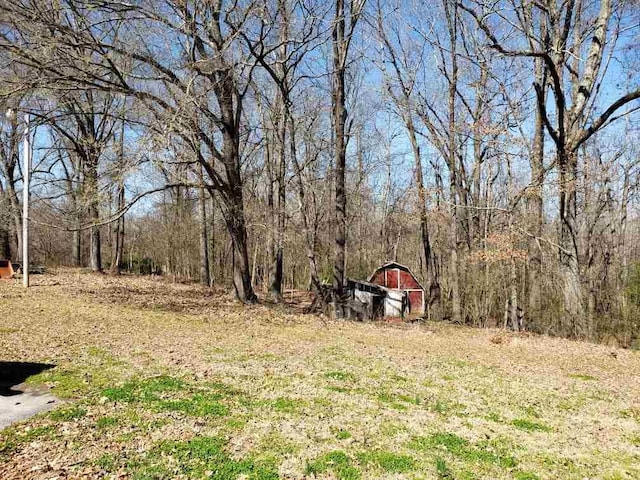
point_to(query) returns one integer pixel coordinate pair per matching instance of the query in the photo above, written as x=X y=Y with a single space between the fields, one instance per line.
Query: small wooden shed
x=369 y=301
x=394 y=276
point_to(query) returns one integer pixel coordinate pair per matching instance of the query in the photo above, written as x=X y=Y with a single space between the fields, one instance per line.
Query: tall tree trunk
x=277 y=269
x=433 y=295
x=535 y=200
x=621 y=252
x=15 y=214
x=569 y=259
x=307 y=232
x=454 y=182
x=282 y=111
x=10 y=161
x=204 y=244
x=511 y=317
x=234 y=219
x=120 y=250
x=271 y=205
x=5 y=241
x=454 y=276
x=96 y=247
x=361 y=270
x=339 y=120
x=94 y=215
x=75 y=186
x=76 y=243
x=212 y=239
x=232 y=195
x=118 y=229
x=233 y=211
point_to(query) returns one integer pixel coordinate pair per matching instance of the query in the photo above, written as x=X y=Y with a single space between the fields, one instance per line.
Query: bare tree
x=10 y=174
x=576 y=63
x=212 y=84
x=344 y=24
x=401 y=84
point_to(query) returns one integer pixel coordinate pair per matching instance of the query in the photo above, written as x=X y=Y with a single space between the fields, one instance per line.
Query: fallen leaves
x=296 y=381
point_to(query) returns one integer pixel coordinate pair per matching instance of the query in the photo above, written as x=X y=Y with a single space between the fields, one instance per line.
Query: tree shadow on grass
x=15 y=373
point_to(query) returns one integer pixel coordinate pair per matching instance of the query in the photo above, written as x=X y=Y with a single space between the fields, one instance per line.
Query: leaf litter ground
x=165 y=381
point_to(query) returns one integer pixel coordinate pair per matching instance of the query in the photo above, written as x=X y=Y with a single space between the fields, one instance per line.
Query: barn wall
x=401 y=280
x=415 y=300
x=392 y=278
x=378 y=278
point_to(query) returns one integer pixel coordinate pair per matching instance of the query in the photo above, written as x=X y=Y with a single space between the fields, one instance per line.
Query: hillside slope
x=173 y=381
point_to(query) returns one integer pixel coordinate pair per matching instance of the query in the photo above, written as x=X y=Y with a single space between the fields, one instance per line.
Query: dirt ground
x=170 y=381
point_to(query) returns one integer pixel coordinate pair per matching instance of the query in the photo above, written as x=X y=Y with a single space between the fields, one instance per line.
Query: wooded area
x=492 y=147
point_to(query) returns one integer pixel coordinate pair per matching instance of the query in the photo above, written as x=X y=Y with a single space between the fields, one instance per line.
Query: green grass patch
x=169 y=394
x=391 y=429
x=398 y=401
x=235 y=423
x=482 y=452
x=106 y=422
x=144 y=391
x=445 y=408
x=413 y=399
x=529 y=426
x=223 y=389
x=390 y=462
x=342 y=434
x=531 y=411
x=104 y=356
x=442 y=470
x=200 y=457
x=106 y=462
x=286 y=405
x=494 y=417
x=275 y=445
x=581 y=376
x=526 y=476
x=97 y=369
x=69 y=382
x=67 y=414
x=199 y=405
x=450 y=441
x=633 y=413
x=336 y=462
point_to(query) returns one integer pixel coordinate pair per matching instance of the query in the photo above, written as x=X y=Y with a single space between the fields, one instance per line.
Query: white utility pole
x=26 y=171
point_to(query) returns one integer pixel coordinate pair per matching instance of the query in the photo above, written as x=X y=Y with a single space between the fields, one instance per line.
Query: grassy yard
x=173 y=381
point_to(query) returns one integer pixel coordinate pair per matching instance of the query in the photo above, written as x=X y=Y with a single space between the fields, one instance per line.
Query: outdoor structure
x=6 y=270
x=399 y=280
x=367 y=300
x=392 y=291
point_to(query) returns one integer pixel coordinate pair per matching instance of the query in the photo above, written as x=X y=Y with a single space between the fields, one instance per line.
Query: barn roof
x=367 y=286
x=395 y=265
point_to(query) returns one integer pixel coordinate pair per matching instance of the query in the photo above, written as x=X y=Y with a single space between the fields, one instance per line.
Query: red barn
x=398 y=277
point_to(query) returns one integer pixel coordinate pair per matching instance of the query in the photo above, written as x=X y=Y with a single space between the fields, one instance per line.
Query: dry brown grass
x=411 y=401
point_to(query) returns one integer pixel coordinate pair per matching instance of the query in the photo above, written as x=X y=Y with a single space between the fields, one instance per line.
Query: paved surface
x=18 y=404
